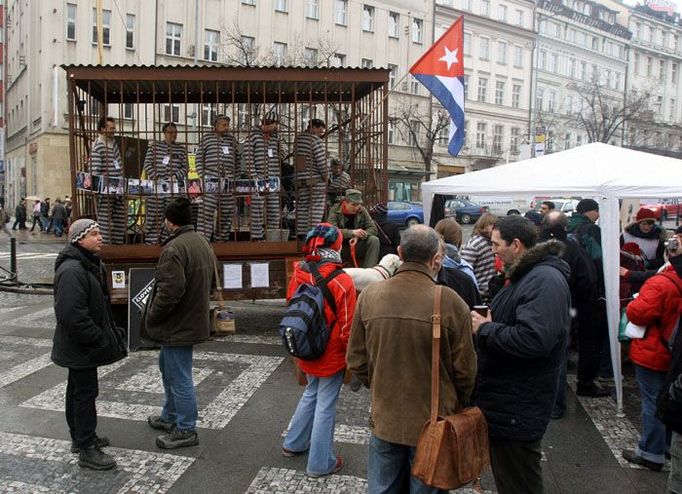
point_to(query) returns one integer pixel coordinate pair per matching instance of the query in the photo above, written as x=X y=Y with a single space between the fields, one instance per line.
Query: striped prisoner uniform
x=479 y=253
x=311 y=183
x=217 y=157
x=105 y=161
x=337 y=187
x=263 y=157
x=163 y=162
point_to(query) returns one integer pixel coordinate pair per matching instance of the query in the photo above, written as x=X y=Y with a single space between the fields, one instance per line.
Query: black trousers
x=589 y=341
x=81 y=415
x=516 y=466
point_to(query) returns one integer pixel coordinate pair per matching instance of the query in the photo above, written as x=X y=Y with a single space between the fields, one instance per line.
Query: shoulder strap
x=322 y=282
x=435 y=354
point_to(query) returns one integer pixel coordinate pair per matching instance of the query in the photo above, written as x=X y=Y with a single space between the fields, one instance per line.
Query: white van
x=502 y=206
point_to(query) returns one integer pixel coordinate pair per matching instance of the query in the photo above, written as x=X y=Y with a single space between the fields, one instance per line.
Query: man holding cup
x=519 y=344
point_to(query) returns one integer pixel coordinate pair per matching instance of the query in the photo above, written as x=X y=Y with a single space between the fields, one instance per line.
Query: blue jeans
x=388 y=470
x=652 y=441
x=180 y=402
x=45 y=221
x=58 y=225
x=312 y=426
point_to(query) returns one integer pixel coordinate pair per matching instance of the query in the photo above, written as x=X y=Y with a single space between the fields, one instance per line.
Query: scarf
x=323 y=254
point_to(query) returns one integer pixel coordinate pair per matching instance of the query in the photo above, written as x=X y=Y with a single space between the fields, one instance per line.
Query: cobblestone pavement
x=247 y=393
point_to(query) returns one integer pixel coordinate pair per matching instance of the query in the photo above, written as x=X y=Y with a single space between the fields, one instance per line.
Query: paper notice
x=260 y=275
x=118 y=279
x=232 y=276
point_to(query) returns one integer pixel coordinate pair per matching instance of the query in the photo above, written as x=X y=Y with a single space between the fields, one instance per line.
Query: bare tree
x=237 y=48
x=605 y=112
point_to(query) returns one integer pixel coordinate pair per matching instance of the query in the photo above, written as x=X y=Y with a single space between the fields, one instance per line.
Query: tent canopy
x=606 y=173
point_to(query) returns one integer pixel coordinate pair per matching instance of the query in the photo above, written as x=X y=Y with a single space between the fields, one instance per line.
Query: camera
x=672 y=244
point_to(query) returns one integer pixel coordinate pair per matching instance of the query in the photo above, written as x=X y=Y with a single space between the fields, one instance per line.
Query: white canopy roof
x=606 y=173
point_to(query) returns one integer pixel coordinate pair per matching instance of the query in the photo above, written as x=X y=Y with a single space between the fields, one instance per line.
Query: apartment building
x=41 y=36
x=498 y=47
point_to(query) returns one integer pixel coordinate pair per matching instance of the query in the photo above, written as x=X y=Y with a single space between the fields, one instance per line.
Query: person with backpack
x=312 y=426
x=657 y=308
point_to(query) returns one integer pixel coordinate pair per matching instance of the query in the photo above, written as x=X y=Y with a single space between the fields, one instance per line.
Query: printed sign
x=141 y=285
x=118 y=279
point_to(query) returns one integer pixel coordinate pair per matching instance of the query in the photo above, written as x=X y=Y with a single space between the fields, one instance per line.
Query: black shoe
x=355 y=384
x=157 y=422
x=592 y=391
x=94 y=458
x=100 y=442
x=632 y=457
x=178 y=439
x=557 y=414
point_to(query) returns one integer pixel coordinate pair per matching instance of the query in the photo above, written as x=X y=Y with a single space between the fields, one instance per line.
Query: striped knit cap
x=323 y=235
x=80 y=228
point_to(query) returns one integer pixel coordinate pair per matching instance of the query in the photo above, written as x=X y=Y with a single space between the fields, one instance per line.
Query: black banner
x=141 y=283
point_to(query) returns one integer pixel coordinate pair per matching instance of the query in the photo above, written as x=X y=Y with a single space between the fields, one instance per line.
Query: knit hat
x=587 y=205
x=354 y=196
x=323 y=235
x=80 y=228
x=179 y=212
x=534 y=216
x=645 y=214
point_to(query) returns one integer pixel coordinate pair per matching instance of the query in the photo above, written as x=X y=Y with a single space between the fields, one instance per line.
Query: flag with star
x=441 y=70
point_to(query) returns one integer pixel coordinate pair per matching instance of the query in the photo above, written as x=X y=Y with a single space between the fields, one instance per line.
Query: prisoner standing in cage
x=263 y=157
x=312 y=174
x=338 y=183
x=165 y=160
x=105 y=161
x=217 y=160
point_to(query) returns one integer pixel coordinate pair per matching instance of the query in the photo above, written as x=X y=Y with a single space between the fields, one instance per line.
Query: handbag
x=222 y=318
x=451 y=451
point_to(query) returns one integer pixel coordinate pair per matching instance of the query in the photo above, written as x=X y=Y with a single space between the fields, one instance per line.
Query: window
x=279 y=53
x=106 y=27
x=70 y=22
x=498 y=136
x=499 y=92
x=482 y=89
x=312 y=9
x=595 y=43
x=467 y=44
x=414 y=85
x=661 y=69
x=393 y=75
x=673 y=72
x=502 y=13
x=502 y=52
x=393 y=24
x=649 y=66
x=516 y=95
x=519 y=18
x=338 y=60
x=518 y=56
x=484 y=48
x=466 y=86
x=391 y=131
x=128 y=111
x=342 y=12
x=671 y=116
x=485 y=8
x=173 y=38
x=542 y=60
x=567 y=141
x=617 y=80
x=539 y=99
x=368 y=18
x=413 y=134
x=211 y=43
x=551 y=101
x=246 y=54
x=417 y=27
x=281 y=5
x=171 y=113
x=583 y=71
x=515 y=134
x=595 y=73
x=366 y=63
x=553 y=63
x=570 y=70
x=636 y=64
x=466 y=5
x=249 y=2
x=208 y=114
x=310 y=57
x=568 y=104
x=130 y=31
x=480 y=134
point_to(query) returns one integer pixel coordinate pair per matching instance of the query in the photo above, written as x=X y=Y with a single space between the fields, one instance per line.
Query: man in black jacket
x=85 y=337
x=176 y=316
x=520 y=344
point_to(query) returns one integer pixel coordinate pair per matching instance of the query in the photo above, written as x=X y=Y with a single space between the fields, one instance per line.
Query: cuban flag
x=441 y=70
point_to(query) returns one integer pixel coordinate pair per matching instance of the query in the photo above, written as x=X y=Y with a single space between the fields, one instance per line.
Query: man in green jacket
x=176 y=317
x=358 y=229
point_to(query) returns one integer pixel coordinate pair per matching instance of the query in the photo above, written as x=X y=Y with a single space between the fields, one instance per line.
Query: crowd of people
x=541 y=284
x=51 y=218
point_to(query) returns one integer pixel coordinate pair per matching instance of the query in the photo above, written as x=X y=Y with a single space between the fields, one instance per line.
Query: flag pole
x=381 y=101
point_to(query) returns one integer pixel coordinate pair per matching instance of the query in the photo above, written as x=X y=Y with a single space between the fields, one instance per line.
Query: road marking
x=31 y=255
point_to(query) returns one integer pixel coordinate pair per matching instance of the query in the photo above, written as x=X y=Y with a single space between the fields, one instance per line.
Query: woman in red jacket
x=312 y=426
x=658 y=308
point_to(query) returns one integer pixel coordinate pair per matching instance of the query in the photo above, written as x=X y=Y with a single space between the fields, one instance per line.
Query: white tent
x=600 y=171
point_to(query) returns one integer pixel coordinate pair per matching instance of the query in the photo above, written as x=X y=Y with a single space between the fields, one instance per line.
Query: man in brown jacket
x=390 y=352
x=176 y=316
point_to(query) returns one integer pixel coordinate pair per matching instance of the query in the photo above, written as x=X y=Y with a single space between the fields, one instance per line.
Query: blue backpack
x=303 y=328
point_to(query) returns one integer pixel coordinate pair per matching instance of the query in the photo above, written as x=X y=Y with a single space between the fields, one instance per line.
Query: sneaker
x=632 y=457
x=592 y=391
x=337 y=468
x=92 y=457
x=159 y=423
x=177 y=439
x=100 y=442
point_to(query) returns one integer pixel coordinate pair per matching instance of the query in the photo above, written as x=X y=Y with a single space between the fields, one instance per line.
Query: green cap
x=354 y=195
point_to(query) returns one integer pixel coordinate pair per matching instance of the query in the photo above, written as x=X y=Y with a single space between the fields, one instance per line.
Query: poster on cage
x=141 y=286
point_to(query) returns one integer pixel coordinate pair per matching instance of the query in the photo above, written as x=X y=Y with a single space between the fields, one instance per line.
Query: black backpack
x=303 y=328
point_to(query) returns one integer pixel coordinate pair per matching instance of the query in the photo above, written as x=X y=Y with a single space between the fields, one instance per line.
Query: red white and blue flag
x=441 y=70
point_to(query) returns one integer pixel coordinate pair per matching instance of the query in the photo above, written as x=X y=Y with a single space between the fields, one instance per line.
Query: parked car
x=405 y=213
x=664 y=208
x=463 y=210
x=566 y=206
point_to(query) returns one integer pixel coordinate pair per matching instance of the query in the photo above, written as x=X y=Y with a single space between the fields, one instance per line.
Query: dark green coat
x=361 y=220
x=176 y=313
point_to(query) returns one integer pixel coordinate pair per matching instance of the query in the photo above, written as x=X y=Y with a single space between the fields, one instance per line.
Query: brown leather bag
x=451 y=451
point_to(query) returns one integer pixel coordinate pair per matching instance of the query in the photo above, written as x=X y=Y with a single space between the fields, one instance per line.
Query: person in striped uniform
x=263 y=157
x=165 y=160
x=105 y=161
x=312 y=174
x=217 y=159
x=338 y=183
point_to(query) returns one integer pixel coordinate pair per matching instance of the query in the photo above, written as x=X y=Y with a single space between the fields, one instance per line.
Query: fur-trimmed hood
x=548 y=252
